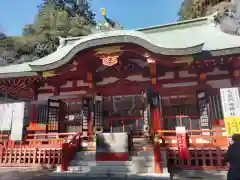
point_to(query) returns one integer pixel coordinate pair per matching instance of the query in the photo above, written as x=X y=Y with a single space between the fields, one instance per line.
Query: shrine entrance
x=181 y=111
x=124 y=114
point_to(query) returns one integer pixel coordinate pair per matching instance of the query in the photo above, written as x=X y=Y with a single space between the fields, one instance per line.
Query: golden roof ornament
x=103 y=11
x=108 y=24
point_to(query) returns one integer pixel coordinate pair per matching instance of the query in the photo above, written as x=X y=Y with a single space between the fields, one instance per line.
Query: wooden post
x=91 y=104
x=64 y=162
x=90 y=120
x=155 y=115
x=32 y=113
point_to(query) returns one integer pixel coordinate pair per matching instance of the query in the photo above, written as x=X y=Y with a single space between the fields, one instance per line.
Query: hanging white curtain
x=12 y=118
x=17 y=121
x=6 y=112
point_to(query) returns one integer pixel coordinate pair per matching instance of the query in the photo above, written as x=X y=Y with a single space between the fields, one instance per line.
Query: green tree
x=64 y=18
x=191 y=9
x=187 y=10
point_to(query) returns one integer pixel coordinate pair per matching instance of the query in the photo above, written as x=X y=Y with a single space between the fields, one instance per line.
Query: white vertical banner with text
x=231 y=109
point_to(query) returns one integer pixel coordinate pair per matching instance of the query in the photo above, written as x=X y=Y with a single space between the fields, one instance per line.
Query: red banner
x=182 y=142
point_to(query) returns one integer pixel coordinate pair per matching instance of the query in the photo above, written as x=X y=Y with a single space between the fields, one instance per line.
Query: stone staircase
x=141 y=161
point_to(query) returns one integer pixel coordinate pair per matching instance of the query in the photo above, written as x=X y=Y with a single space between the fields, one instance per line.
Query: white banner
x=230 y=102
x=17 y=121
x=12 y=118
x=6 y=113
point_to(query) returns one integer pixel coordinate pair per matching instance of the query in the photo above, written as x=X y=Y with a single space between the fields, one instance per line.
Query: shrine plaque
x=203 y=106
x=85 y=112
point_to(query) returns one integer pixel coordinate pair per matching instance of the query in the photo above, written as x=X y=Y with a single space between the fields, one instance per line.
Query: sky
x=132 y=14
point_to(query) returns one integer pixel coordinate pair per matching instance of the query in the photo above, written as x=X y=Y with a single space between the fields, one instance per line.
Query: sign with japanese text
x=182 y=142
x=231 y=109
x=203 y=106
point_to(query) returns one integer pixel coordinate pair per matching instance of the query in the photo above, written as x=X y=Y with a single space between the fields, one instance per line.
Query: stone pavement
x=30 y=176
x=48 y=175
x=44 y=175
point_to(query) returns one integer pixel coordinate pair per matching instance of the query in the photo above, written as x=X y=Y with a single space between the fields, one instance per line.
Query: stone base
x=114 y=175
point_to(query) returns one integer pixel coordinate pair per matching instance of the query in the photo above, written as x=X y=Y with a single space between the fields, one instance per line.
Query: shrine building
x=146 y=82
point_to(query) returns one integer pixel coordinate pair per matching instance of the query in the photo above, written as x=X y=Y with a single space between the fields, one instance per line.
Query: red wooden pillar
x=155 y=119
x=64 y=162
x=33 y=108
x=156 y=125
x=32 y=115
x=90 y=122
x=91 y=102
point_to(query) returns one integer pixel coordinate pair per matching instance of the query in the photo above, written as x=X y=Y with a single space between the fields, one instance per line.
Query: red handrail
x=69 y=150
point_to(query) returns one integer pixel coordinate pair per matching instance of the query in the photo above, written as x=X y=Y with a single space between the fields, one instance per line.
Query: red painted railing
x=206 y=152
x=69 y=150
x=199 y=159
x=29 y=157
x=35 y=149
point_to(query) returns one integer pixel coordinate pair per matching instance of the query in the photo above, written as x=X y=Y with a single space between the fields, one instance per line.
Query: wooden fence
x=39 y=150
x=206 y=152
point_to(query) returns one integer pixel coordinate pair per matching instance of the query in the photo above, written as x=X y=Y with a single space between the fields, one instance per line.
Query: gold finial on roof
x=103 y=11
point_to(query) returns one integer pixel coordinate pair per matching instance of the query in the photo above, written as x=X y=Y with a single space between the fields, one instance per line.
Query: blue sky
x=131 y=14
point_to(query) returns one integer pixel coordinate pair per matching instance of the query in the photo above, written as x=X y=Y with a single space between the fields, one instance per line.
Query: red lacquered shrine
x=145 y=81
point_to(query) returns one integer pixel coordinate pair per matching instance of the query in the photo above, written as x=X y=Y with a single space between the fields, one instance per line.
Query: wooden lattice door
x=98 y=114
x=53 y=115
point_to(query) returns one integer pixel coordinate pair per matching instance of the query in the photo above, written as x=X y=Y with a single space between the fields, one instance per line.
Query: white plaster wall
x=108 y=80
x=42 y=97
x=46 y=87
x=168 y=75
x=72 y=93
x=179 y=84
x=225 y=83
x=68 y=84
x=81 y=83
x=184 y=74
x=63 y=95
x=138 y=78
x=216 y=71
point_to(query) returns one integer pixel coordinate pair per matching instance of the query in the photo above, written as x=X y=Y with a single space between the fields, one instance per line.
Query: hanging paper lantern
x=236 y=74
x=202 y=76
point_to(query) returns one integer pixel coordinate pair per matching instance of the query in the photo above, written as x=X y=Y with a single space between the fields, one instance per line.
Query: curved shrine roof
x=180 y=38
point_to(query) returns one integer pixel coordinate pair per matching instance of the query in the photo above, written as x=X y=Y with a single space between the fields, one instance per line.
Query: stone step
x=140 y=176
x=91 y=156
x=99 y=169
x=142 y=158
x=115 y=164
x=142 y=153
x=141 y=140
x=76 y=162
x=134 y=159
x=100 y=163
x=86 y=155
x=107 y=169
